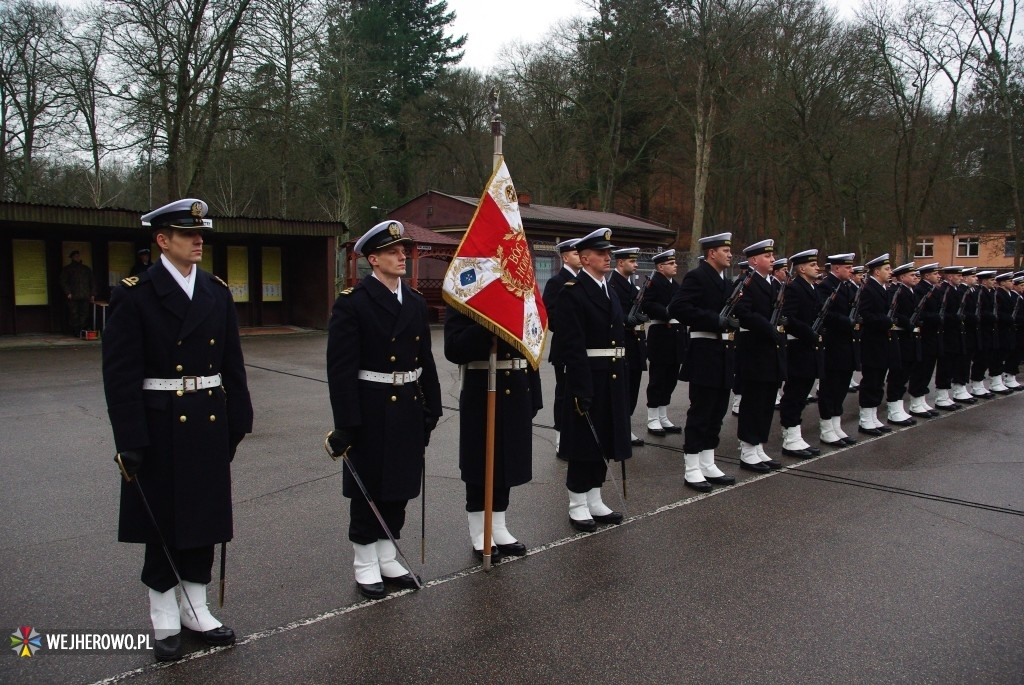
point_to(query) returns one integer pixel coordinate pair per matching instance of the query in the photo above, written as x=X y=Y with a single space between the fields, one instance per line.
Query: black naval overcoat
x=517 y=401
x=1007 y=335
x=930 y=322
x=154 y=331
x=370 y=331
x=875 y=350
x=666 y=344
x=550 y=298
x=588 y=319
x=970 y=307
x=952 y=325
x=838 y=334
x=985 y=306
x=636 y=341
x=696 y=304
x=761 y=346
x=803 y=355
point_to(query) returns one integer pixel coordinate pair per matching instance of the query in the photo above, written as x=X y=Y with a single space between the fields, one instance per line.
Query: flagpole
x=497 y=127
x=492 y=392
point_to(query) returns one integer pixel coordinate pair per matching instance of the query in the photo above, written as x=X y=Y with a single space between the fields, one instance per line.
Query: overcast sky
x=488 y=26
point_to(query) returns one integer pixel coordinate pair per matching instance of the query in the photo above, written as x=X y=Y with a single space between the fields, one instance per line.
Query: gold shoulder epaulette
x=220 y=280
x=346 y=291
x=129 y=282
x=570 y=282
x=415 y=291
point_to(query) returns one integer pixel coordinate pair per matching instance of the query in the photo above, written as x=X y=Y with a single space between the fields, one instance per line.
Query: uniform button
x=414 y=397
x=394 y=399
x=183 y=418
x=213 y=417
x=211 y=366
x=506 y=373
x=417 y=338
x=179 y=393
x=179 y=343
x=508 y=355
x=392 y=340
x=209 y=393
x=392 y=357
x=614 y=376
x=614 y=360
x=613 y=343
x=212 y=341
x=178 y=368
x=508 y=392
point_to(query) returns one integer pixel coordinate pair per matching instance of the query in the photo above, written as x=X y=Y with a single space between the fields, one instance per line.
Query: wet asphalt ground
x=900 y=559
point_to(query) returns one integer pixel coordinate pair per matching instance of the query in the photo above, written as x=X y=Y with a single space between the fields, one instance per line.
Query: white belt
x=639 y=329
x=396 y=378
x=790 y=337
x=517 y=363
x=904 y=330
x=654 y=322
x=706 y=335
x=616 y=352
x=187 y=384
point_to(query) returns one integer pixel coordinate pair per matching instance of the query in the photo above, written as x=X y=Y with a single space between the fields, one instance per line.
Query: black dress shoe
x=885 y=429
x=660 y=432
x=406 y=582
x=848 y=441
x=513 y=549
x=495 y=554
x=834 y=443
x=773 y=464
x=904 y=422
x=168 y=649
x=639 y=442
x=871 y=431
x=759 y=467
x=948 y=407
x=673 y=429
x=966 y=400
x=815 y=451
x=853 y=388
x=921 y=414
x=221 y=636
x=699 y=486
x=614 y=518
x=721 y=480
x=1001 y=392
x=584 y=526
x=372 y=590
x=799 y=454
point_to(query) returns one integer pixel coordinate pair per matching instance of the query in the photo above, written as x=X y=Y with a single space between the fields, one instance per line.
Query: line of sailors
x=790 y=326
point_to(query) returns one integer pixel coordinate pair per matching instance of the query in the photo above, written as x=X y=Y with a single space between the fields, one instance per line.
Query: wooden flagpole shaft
x=492 y=393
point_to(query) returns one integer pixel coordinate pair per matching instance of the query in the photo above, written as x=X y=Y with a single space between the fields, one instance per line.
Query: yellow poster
x=120 y=258
x=238 y=273
x=29 y=272
x=271 y=274
x=207 y=263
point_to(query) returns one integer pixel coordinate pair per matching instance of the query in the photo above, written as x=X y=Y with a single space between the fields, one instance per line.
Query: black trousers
x=661 y=381
x=962 y=368
x=832 y=391
x=996 y=362
x=583 y=476
x=979 y=365
x=363 y=526
x=559 y=394
x=921 y=374
x=872 y=387
x=756 y=410
x=945 y=365
x=896 y=383
x=475 y=498
x=708 y=405
x=193 y=564
x=794 y=399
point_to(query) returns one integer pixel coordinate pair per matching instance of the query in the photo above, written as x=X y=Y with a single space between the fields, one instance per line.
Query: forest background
x=766 y=118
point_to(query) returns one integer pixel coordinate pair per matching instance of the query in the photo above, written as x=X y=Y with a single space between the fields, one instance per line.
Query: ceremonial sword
x=607 y=461
x=156 y=527
x=373 y=506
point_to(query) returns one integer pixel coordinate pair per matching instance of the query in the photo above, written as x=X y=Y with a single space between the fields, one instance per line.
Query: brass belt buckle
x=398 y=378
x=189 y=384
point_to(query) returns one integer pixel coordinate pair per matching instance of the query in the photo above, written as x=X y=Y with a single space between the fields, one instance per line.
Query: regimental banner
x=491 y=278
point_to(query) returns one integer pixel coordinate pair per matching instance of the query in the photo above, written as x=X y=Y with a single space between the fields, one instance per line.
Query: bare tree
x=32 y=101
x=175 y=59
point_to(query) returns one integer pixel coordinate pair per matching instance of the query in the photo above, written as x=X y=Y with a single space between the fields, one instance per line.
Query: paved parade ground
x=900 y=559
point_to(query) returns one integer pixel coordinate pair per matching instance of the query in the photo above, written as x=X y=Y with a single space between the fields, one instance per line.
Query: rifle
x=855 y=310
x=825 y=306
x=737 y=293
x=777 y=307
x=942 y=306
x=915 y=318
x=634 y=312
x=892 y=304
x=963 y=305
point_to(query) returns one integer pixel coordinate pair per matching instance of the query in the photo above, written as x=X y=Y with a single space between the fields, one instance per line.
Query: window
x=968 y=247
x=1010 y=247
x=925 y=247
